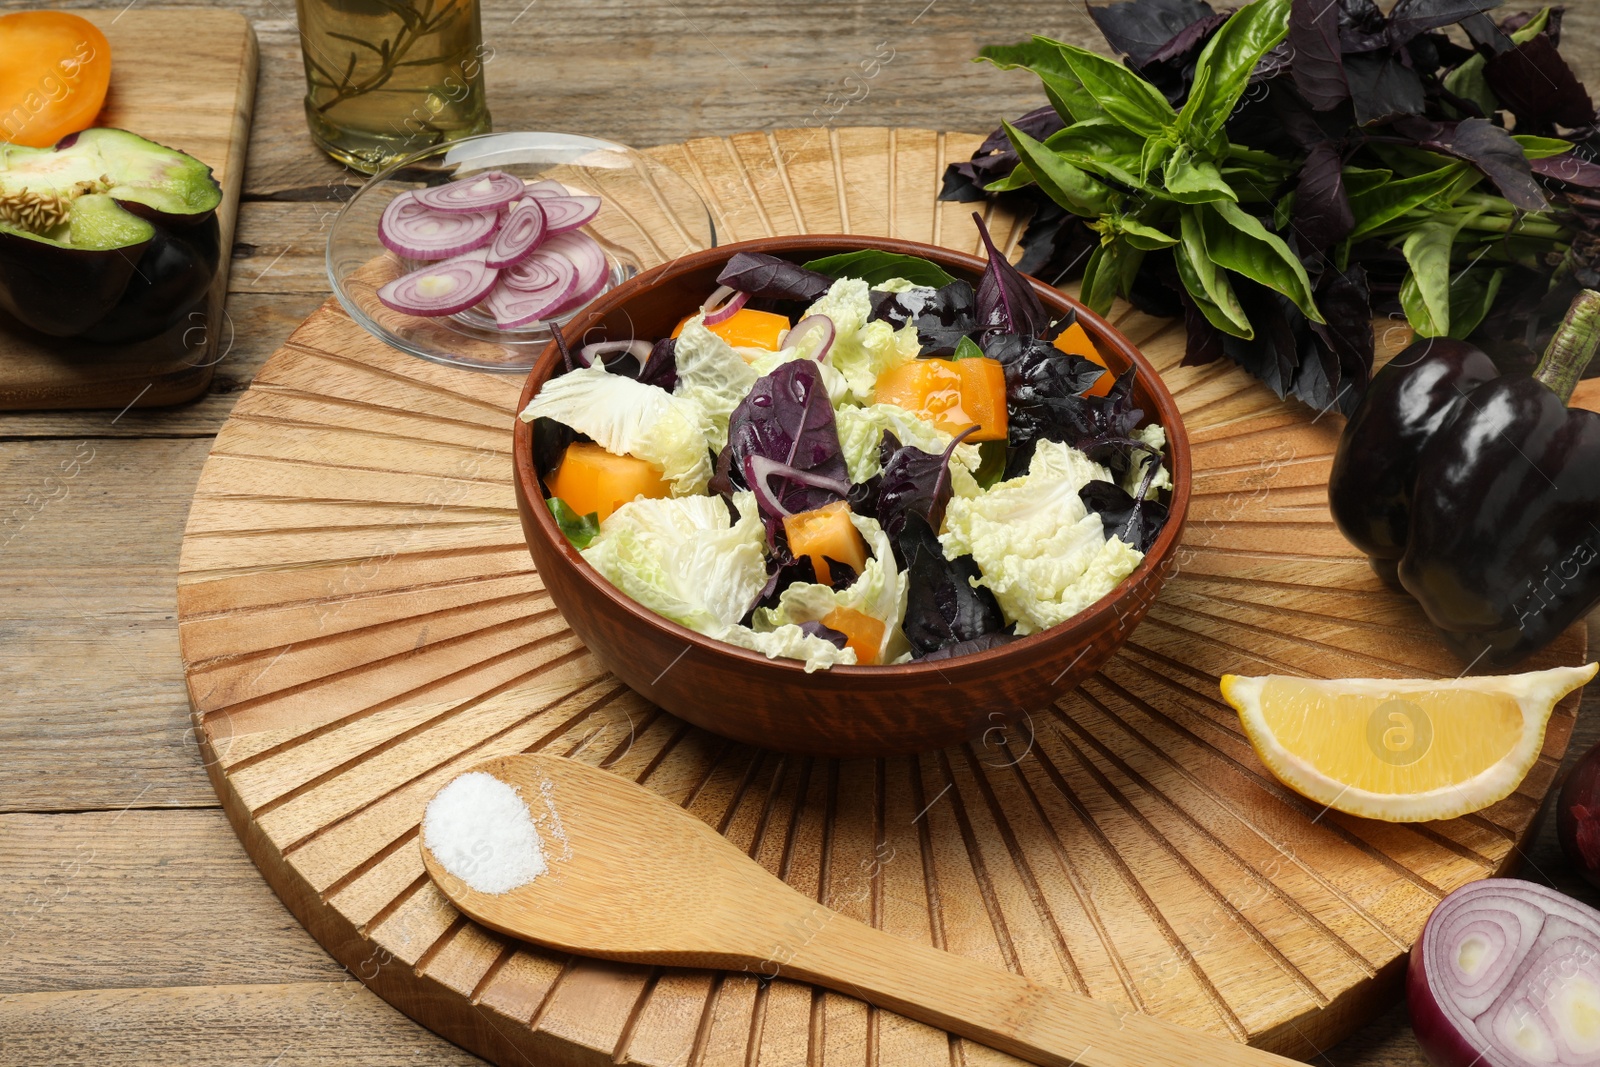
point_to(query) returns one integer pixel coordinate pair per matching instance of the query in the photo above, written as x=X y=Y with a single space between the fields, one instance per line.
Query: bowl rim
x=1084 y=624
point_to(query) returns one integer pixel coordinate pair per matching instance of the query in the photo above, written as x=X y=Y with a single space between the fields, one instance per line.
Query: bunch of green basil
x=1153 y=177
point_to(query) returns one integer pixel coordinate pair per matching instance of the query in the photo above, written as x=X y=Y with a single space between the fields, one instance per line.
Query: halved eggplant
x=106 y=235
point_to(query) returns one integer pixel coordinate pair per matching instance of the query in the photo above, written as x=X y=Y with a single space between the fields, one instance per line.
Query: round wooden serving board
x=360 y=620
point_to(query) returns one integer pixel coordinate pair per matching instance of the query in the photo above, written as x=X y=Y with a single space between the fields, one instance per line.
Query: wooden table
x=133 y=928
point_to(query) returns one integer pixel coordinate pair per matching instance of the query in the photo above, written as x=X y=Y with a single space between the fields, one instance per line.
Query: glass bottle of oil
x=385 y=78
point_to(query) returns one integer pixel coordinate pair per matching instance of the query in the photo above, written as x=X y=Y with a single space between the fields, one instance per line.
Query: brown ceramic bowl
x=840 y=711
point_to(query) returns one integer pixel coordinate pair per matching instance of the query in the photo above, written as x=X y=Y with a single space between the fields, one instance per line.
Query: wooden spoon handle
x=1042 y=1024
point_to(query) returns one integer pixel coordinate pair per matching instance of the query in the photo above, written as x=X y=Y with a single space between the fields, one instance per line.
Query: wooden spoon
x=633 y=877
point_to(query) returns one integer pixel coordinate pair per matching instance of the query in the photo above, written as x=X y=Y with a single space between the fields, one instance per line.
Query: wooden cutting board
x=186 y=79
x=360 y=620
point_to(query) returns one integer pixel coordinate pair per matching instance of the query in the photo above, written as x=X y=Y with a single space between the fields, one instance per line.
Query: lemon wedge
x=1401 y=750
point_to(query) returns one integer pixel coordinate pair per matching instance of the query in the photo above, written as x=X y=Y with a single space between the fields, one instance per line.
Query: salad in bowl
x=856 y=461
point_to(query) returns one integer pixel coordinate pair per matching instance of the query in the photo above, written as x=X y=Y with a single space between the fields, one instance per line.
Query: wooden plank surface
x=82 y=738
x=212 y=55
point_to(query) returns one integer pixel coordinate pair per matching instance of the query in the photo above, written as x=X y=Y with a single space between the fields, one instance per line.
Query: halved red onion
x=441 y=288
x=563 y=213
x=489 y=191
x=808 y=325
x=759 y=470
x=411 y=229
x=588 y=258
x=518 y=235
x=1507 y=974
x=512 y=308
x=547 y=187
x=639 y=350
x=726 y=311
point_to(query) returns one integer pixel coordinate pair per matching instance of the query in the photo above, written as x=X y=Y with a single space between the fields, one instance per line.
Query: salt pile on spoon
x=480 y=830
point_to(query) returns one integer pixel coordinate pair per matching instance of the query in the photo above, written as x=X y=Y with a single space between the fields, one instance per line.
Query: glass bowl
x=648 y=215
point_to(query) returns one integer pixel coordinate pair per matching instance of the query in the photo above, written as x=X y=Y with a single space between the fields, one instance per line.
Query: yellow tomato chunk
x=862 y=632
x=590 y=479
x=826 y=533
x=1075 y=341
x=951 y=394
x=748 y=329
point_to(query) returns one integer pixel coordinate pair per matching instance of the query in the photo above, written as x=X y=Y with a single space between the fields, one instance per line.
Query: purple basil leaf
x=942 y=316
x=827 y=633
x=1056 y=245
x=914 y=482
x=971 y=647
x=942 y=606
x=1006 y=302
x=769 y=276
x=1204 y=341
x=1382 y=87
x=1134 y=522
x=785 y=418
x=550 y=441
x=1186 y=43
x=995 y=157
x=1411 y=17
x=1487 y=147
x=1322 y=216
x=1100 y=427
x=1346 y=303
x=1536 y=85
x=1570 y=168
x=1318 y=69
x=1143 y=29
x=661 y=369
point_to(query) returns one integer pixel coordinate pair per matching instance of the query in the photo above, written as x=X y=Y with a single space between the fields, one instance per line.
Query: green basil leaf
x=1223 y=70
x=1532 y=28
x=580 y=530
x=1207 y=283
x=1541 y=147
x=875 y=267
x=1468 y=82
x=967 y=348
x=1283 y=212
x=991 y=463
x=1359 y=180
x=1154 y=156
x=1472 y=293
x=1195 y=181
x=1384 y=203
x=1427 y=252
x=1109 y=274
x=1043 y=57
x=1073 y=188
x=1237 y=240
x=1101 y=147
x=1019 y=178
x=1140 y=236
x=1121 y=94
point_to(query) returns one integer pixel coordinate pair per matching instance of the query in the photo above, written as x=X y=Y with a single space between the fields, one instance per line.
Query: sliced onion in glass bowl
x=647 y=214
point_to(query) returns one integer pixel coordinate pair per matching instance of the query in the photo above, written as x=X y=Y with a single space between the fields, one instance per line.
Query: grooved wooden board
x=359 y=619
x=186 y=79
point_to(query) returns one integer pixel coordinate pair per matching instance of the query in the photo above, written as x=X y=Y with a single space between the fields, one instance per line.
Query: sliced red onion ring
x=588 y=258
x=488 y=191
x=540 y=270
x=441 y=288
x=759 y=469
x=563 y=213
x=413 y=230
x=639 y=350
x=513 y=308
x=806 y=326
x=726 y=311
x=548 y=187
x=1507 y=974
x=518 y=235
